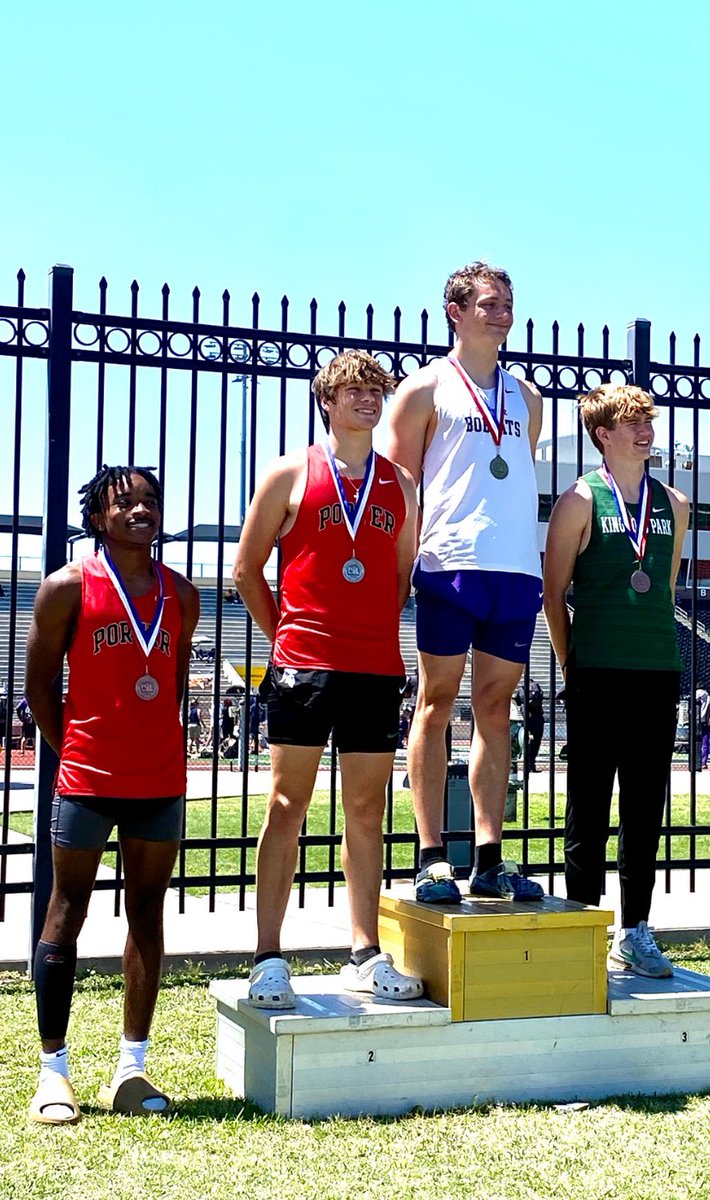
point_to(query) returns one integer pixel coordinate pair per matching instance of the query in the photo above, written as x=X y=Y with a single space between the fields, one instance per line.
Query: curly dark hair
x=95 y=493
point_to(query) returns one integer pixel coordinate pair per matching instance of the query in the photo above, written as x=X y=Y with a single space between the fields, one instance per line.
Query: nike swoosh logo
x=657 y=510
x=518 y=644
x=384 y=481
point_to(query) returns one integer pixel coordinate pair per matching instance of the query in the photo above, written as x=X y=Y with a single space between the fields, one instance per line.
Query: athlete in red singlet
x=125 y=625
x=346 y=521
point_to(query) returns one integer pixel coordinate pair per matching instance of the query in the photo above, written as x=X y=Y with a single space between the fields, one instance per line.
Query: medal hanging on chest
x=640 y=580
x=493 y=420
x=146 y=685
x=353 y=569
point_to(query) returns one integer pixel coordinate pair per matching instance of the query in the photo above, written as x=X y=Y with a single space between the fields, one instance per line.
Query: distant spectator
x=27 y=721
x=195 y=725
x=702 y=708
x=256 y=716
x=536 y=718
x=226 y=719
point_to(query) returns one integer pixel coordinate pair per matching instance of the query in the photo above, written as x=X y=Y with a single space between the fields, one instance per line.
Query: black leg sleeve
x=54 y=971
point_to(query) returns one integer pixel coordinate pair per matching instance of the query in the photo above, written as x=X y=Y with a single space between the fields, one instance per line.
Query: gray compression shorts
x=86 y=822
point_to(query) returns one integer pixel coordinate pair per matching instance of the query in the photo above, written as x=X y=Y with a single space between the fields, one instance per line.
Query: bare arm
x=533 y=399
x=567 y=536
x=267 y=513
x=407 y=540
x=190 y=604
x=56 y=608
x=412 y=421
x=681 y=512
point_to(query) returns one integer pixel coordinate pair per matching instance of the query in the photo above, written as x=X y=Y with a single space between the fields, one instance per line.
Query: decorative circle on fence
x=593 y=378
x=180 y=344
x=86 y=335
x=240 y=351
x=660 y=385
x=118 y=340
x=705 y=389
x=210 y=349
x=150 y=343
x=8 y=331
x=269 y=354
x=619 y=376
x=36 y=333
x=568 y=379
x=409 y=363
x=324 y=354
x=542 y=375
x=298 y=355
x=684 y=387
x=385 y=359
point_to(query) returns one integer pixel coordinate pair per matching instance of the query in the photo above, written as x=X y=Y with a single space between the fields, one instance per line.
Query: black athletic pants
x=617 y=721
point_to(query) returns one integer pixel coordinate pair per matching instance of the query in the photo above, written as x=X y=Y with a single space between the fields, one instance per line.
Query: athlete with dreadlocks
x=125 y=624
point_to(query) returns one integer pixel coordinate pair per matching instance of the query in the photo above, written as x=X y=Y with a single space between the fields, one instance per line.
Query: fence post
x=638 y=349
x=54 y=555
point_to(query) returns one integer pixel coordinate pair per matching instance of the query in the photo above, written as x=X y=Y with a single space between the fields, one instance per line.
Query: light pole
x=240 y=353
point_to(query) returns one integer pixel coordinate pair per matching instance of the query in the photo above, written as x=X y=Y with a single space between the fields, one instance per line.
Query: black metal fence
x=106 y=384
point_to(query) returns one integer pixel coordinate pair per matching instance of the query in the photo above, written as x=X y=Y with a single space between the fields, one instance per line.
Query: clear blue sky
x=360 y=151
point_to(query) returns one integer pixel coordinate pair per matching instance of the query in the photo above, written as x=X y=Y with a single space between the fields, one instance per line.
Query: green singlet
x=614 y=626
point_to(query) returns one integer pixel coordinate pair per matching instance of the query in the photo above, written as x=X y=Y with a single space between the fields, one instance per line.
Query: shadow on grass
x=198 y=1108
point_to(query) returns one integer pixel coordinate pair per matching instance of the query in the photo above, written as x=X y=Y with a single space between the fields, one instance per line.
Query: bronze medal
x=640 y=581
x=498 y=467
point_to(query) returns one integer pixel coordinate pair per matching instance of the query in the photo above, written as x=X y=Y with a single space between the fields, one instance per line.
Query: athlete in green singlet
x=617 y=536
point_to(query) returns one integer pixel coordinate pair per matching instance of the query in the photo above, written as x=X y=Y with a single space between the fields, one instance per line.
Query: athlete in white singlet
x=469 y=430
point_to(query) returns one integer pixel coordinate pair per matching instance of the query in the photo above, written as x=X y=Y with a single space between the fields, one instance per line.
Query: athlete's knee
x=364 y=812
x=284 y=813
x=66 y=914
x=491 y=707
x=144 y=908
x=434 y=707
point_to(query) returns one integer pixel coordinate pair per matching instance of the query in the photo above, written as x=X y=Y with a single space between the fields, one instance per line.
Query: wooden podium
x=495 y=959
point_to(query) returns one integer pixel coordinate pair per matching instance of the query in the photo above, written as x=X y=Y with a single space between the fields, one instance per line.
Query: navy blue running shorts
x=492 y=611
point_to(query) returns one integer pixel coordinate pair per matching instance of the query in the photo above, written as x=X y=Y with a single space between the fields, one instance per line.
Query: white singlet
x=472 y=521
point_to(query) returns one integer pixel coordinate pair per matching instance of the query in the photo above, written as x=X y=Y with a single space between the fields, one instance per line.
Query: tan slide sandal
x=131 y=1095
x=54 y=1102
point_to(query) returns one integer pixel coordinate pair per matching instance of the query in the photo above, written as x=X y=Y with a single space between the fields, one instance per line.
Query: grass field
x=229 y=824
x=215 y=1147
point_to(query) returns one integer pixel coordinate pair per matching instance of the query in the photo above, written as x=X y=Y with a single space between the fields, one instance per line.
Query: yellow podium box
x=494 y=959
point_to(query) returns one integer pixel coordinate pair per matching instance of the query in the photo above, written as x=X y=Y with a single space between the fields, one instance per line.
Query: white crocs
x=378 y=977
x=270 y=985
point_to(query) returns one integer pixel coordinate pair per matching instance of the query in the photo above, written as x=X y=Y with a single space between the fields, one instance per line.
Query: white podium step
x=350 y=1055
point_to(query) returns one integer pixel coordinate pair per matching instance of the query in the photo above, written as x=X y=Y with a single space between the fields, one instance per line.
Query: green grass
x=216 y=1147
x=229 y=824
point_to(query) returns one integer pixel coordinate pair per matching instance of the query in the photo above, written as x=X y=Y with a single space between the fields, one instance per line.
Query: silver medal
x=147 y=687
x=353 y=570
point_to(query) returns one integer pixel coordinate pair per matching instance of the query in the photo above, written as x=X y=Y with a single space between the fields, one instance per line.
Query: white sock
x=131 y=1060
x=56 y=1062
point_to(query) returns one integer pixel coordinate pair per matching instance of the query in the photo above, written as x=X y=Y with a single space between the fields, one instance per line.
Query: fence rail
x=184 y=415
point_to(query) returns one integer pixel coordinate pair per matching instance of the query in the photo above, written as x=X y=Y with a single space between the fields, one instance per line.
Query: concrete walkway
x=227 y=934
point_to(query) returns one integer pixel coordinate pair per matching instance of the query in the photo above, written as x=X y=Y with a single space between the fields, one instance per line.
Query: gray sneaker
x=635 y=950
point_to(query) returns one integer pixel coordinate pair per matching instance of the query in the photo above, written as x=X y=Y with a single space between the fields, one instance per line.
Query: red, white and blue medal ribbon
x=146 y=638
x=638 y=537
x=146 y=687
x=353 y=511
x=494 y=418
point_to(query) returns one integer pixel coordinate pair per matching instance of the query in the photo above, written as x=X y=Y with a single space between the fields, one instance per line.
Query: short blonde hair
x=351 y=367
x=606 y=405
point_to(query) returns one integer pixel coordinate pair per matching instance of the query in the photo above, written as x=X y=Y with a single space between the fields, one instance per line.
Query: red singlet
x=114 y=743
x=326 y=622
